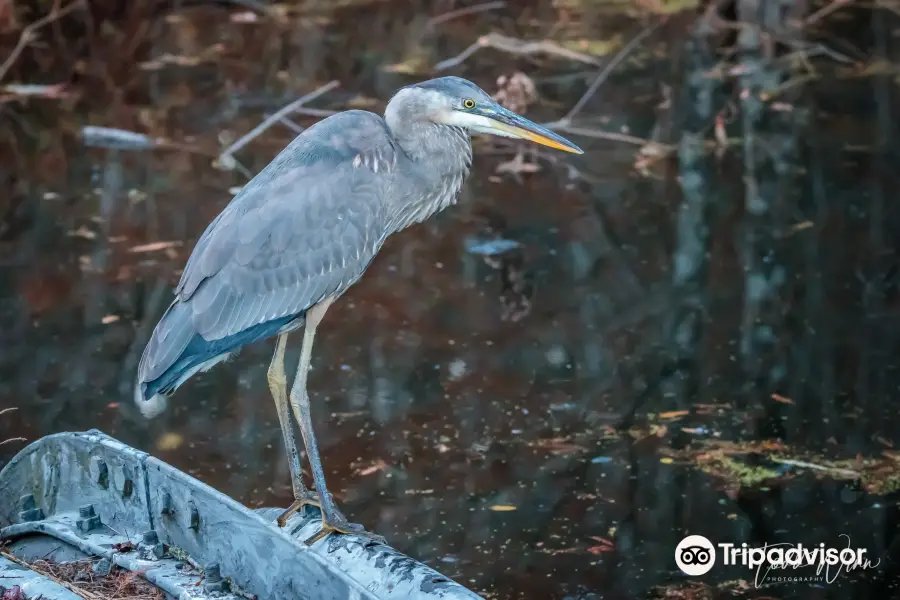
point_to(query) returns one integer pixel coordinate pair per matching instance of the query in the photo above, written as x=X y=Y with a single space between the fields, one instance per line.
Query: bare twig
x=461 y=12
x=309 y=112
x=604 y=73
x=291 y=125
x=517 y=47
x=811 y=50
x=154 y=246
x=825 y=11
x=809 y=465
x=75 y=590
x=314 y=112
x=573 y=173
x=226 y=160
x=30 y=30
x=609 y=135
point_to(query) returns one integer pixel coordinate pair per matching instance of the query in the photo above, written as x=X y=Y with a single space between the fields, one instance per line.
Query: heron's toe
x=299 y=504
x=341 y=525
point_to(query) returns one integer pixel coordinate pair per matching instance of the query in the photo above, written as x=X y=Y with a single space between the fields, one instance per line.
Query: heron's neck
x=425 y=142
x=439 y=160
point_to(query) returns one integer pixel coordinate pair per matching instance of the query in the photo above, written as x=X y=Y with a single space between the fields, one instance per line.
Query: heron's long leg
x=278 y=387
x=332 y=519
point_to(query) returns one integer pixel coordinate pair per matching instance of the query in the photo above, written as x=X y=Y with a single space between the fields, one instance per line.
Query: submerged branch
x=28 y=33
x=226 y=158
x=515 y=46
x=605 y=72
x=462 y=12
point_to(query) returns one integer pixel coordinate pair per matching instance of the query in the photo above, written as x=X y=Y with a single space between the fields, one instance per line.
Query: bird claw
x=306 y=499
x=341 y=525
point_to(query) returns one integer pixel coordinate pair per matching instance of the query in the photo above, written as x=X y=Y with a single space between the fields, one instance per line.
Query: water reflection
x=450 y=385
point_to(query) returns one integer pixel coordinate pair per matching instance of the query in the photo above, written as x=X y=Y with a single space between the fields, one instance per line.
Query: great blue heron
x=303 y=231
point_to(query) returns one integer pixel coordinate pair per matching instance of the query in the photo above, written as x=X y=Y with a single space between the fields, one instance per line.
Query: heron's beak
x=508 y=124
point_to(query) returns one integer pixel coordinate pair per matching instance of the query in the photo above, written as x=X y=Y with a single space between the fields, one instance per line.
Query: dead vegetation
x=84 y=579
x=752 y=464
x=10 y=440
x=576 y=37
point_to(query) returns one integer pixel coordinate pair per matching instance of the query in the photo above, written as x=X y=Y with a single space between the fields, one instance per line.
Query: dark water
x=491 y=417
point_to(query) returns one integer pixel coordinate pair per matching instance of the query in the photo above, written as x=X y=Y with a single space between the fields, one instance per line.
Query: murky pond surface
x=477 y=411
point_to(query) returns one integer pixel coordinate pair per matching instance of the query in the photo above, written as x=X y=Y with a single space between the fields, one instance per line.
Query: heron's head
x=459 y=102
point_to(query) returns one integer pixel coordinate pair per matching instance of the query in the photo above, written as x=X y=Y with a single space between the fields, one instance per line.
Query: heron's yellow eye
x=469 y=103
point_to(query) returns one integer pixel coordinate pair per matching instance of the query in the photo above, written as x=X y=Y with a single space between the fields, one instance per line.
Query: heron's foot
x=339 y=524
x=305 y=499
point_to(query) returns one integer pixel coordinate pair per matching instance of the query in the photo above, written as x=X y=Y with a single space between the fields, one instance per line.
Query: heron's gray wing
x=304 y=229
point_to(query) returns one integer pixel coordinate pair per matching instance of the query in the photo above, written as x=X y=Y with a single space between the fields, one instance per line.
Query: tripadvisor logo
x=774 y=563
x=695 y=555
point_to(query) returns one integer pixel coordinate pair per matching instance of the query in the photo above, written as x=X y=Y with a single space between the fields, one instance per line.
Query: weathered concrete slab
x=94 y=492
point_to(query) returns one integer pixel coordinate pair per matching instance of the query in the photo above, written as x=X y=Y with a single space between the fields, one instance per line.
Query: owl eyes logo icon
x=695 y=555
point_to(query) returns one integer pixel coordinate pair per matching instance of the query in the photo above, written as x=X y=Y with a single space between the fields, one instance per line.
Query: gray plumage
x=307 y=227
x=303 y=231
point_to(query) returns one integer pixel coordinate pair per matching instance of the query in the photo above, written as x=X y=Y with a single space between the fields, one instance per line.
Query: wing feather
x=304 y=229
x=164 y=349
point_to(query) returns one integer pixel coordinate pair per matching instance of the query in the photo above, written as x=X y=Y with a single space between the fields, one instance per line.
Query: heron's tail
x=170 y=339
x=152 y=406
x=176 y=352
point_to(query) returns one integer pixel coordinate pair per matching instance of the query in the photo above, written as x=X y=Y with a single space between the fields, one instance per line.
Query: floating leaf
x=605 y=545
x=169 y=441
x=602 y=540
x=696 y=430
x=490 y=247
x=83 y=232
x=782 y=399
x=153 y=247
x=57 y=90
x=674 y=414
x=559 y=446
x=247 y=16
x=379 y=465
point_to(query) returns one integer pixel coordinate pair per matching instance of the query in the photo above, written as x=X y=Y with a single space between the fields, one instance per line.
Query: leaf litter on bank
x=81 y=579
